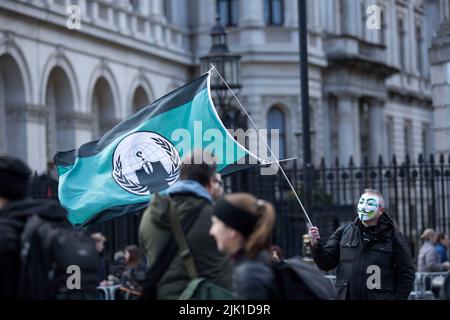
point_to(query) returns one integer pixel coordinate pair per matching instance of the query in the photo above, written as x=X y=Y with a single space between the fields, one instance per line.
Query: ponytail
x=261 y=237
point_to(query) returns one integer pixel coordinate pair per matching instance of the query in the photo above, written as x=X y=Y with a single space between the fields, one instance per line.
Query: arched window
x=13 y=129
x=103 y=107
x=276 y=120
x=140 y=99
x=59 y=101
x=274 y=12
x=228 y=12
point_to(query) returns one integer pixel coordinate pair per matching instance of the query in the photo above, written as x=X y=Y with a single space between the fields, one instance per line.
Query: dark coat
x=133 y=277
x=353 y=248
x=12 y=220
x=154 y=231
x=254 y=279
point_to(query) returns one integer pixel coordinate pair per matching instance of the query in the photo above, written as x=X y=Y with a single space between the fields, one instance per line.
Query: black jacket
x=353 y=248
x=12 y=220
x=254 y=279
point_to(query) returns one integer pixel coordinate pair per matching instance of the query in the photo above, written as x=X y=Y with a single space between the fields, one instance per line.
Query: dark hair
x=261 y=237
x=135 y=255
x=278 y=251
x=441 y=236
x=195 y=168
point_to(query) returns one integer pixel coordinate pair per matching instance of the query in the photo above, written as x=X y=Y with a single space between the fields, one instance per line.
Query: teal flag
x=118 y=174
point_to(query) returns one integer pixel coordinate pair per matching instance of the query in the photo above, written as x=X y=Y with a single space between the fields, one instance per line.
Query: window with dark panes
x=135 y=5
x=419 y=41
x=276 y=120
x=401 y=42
x=383 y=26
x=274 y=12
x=228 y=12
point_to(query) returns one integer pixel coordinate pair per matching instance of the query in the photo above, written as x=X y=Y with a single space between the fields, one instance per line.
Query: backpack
x=48 y=248
x=198 y=288
x=298 y=280
x=165 y=257
x=9 y=261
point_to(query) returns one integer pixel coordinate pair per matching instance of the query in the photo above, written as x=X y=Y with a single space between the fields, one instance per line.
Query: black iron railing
x=417 y=196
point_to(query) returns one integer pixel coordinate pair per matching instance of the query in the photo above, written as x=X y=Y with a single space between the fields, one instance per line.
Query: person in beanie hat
x=14 y=175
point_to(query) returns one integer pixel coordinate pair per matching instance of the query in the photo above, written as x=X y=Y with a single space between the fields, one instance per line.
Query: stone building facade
x=370 y=89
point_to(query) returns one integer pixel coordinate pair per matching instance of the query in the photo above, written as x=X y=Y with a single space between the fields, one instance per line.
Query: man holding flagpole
x=372 y=257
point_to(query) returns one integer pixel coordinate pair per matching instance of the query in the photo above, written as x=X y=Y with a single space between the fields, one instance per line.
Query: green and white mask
x=368 y=206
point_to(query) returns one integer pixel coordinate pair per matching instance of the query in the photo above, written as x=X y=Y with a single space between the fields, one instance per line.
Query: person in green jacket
x=197 y=185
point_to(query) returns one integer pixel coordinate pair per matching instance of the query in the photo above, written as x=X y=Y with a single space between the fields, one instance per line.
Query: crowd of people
x=195 y=242
x=126 y=273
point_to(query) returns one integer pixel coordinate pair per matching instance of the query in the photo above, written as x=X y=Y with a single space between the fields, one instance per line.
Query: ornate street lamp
x=228 y=65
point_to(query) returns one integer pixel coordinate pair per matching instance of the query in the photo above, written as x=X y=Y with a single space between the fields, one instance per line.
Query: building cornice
x=25 y=112
x=91 y=28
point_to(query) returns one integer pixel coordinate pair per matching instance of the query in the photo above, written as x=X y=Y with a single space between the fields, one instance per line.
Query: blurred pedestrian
x=372 y=243
x=242 y=226
x=133 y=274
x=428 y=259
x=118 y=264
x=14 y=175
x=191 y=198
x=442 y=246
x=100 y=240
x=34 y=243
x=116 y=269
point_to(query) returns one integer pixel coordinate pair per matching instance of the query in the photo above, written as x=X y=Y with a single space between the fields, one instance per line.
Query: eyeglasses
x=220 y=182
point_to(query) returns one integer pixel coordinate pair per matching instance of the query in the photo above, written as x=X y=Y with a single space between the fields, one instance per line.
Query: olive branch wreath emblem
x=137 y=188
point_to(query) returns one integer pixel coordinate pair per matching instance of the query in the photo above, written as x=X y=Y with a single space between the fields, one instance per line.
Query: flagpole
x=267 y=145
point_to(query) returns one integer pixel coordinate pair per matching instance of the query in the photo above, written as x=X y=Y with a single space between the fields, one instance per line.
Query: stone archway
x=12 y=108
x=59 y=99
x=103 y=107
x=140 y=99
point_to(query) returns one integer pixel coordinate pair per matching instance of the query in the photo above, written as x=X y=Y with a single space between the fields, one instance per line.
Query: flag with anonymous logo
x=117 y=174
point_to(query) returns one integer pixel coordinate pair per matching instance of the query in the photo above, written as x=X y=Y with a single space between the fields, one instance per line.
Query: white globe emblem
x=145 y=162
